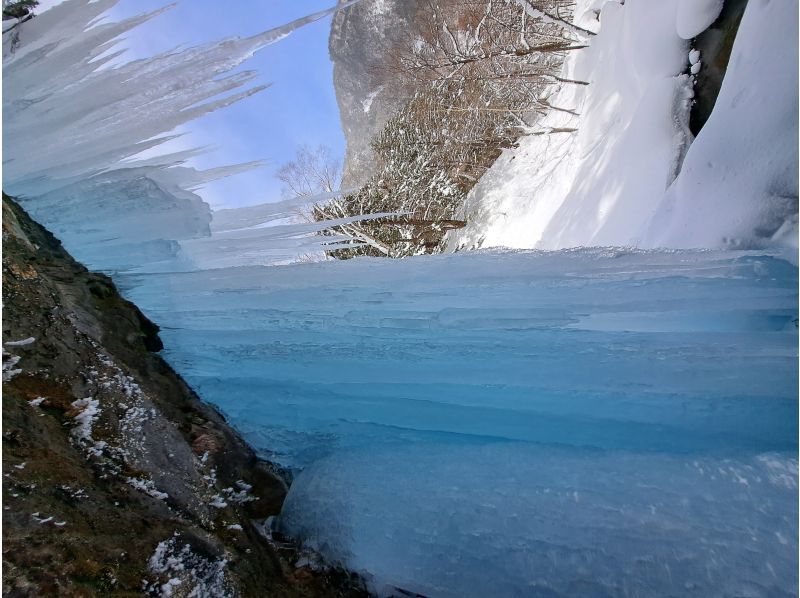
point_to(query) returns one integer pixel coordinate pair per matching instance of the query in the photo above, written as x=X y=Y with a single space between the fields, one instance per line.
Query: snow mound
x=738 y=185
x=626 y=170
x=695 y=16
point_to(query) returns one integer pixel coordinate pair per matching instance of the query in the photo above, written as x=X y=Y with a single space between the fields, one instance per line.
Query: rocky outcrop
x=715 y=45
x=117 y=479
x=362 y=36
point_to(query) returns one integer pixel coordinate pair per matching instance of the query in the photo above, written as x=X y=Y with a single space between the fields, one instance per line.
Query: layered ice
x=509 y=519
x=583 y=422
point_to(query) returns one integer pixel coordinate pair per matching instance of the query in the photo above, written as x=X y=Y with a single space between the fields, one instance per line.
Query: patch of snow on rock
x=175 y=565
x=366 y=103
x=88 y=411
x=148 y=487
x=9 y=361
x=26 y=341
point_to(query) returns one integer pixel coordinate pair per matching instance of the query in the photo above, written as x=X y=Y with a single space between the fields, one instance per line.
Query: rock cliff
x=117 y=478
x=361 y=37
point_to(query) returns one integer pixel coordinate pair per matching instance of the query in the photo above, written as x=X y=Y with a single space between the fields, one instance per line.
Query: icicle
x=74 y=127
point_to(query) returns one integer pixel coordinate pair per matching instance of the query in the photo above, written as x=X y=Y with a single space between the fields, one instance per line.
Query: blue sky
x=299 y=108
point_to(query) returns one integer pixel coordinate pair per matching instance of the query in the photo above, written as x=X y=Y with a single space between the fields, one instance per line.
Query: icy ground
x=500 y=423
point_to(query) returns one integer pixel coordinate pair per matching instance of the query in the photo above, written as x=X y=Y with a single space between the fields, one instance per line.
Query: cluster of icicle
x=75 y=118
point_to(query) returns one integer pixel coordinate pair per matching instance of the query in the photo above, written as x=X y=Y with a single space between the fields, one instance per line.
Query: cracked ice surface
x=592 y=421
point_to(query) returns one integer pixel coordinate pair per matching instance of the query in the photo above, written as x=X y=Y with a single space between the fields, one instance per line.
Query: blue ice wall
x=584 y=422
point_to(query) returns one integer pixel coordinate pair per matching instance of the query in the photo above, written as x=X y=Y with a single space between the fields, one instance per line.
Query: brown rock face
x=117 y=478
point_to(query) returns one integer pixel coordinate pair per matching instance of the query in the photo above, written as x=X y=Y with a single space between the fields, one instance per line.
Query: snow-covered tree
x=477 y=74
x=18 y=9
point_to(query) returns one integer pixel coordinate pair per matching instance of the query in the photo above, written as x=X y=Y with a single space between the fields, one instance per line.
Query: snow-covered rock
x=623 y=172
x=738 y=185
x=695 y=16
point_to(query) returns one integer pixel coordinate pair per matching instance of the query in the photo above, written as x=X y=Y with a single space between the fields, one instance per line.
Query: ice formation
x=577 y=422
x=88 y=183
x=496 y=423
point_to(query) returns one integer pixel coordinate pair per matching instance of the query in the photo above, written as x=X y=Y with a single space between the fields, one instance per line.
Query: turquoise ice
x=582 y=422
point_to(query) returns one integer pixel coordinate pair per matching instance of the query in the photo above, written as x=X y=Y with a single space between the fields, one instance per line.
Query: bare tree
x=468 y=38
x=312 y=172
x=315 y=172
x=419 y=184
x=475 y=75
x=536 y=10
x=507 y=53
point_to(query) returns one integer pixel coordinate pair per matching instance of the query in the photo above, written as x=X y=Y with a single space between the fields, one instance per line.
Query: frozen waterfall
x=588 y=422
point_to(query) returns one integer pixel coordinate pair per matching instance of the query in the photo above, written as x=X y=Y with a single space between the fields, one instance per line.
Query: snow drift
x=626 y=170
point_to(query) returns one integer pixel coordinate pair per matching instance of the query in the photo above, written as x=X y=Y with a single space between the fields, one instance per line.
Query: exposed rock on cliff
x=118 y=480
x=715 y=45
x=361 y=36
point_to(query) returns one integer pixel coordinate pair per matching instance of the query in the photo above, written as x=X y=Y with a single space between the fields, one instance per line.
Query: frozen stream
x=515 y=423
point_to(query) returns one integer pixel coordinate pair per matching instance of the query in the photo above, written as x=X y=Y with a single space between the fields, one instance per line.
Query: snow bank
x=695 y=16
x=738 y=185
x=612 y=182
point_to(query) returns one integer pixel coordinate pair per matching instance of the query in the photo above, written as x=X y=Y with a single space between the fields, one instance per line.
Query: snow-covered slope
x=608 y=175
